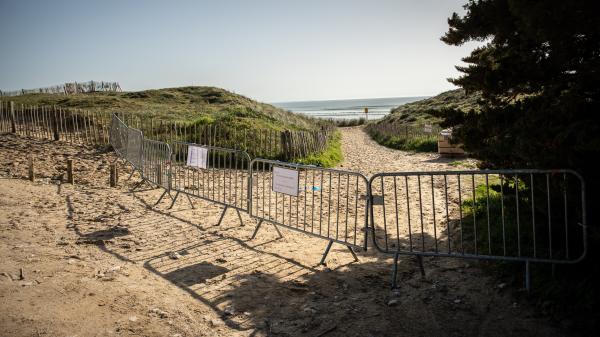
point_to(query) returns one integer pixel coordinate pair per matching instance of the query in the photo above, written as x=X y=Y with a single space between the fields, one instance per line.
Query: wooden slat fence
x=92 y=127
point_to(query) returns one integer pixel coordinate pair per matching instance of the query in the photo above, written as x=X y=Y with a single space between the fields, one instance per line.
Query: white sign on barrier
x=285 y=181
x=197 y=156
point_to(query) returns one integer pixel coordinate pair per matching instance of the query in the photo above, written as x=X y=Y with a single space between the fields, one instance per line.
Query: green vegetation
x=186 y=104
x=415 y=144
x=348 y=122
x=403 y=128
x=460 y=163
x=422 y=112
x=328 y=158
x=537 y=75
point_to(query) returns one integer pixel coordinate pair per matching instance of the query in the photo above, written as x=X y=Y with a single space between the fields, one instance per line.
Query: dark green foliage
x=538 y=76
x=399 y=142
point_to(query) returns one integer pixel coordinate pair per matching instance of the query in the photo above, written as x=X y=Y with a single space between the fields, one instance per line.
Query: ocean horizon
x=347 y=108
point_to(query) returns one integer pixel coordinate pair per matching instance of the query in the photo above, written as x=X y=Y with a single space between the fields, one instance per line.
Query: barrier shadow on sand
x=247 y=287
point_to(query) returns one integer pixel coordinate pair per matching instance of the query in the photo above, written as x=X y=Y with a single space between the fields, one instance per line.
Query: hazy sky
x=268 y=50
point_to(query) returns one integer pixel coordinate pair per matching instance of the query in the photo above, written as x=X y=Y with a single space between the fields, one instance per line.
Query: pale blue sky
x=269 y=50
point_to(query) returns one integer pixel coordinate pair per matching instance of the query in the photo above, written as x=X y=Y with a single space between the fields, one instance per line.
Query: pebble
x=158 y=312
x=214 y=322
x=133 y=318
x=457 y=301
x=229 y=310
x=174 y=255
x=392 y=302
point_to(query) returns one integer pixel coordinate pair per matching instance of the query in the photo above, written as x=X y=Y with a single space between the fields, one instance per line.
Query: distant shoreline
x=348 y=108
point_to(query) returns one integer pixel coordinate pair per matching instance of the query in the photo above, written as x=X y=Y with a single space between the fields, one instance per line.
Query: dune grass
x=328 y=158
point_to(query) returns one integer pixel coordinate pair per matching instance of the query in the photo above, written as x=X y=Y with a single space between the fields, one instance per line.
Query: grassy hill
x=403 y=127
x=190 y=104
x=417 y=112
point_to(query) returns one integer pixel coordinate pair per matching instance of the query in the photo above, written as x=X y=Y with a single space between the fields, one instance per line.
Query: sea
x=347 y=108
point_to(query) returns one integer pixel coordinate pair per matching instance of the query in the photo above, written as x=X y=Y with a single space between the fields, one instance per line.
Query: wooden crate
x=445 y=148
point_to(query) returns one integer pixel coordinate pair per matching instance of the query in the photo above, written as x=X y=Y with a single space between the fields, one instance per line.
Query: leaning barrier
x=511 y=215
x=528 y=216
x=326 y=203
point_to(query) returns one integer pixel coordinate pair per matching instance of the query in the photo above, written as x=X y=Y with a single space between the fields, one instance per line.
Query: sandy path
x=102 y=261
x=363 y=154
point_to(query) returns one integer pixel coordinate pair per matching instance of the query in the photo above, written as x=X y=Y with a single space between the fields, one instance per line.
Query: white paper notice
x=285 y=181
x=197 y=156
x=428 y=128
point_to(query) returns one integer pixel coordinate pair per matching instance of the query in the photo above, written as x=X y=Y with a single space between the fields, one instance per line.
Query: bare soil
x=100 y=261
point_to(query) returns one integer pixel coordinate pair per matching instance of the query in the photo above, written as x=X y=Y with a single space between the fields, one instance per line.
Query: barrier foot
x=256 y=230
x=420 y=260
x=395 y=271
x=527 y=277
x=136 y=186
x=353 y=253
x=222 y=216
x=326 y=252
x=258 y=227
x=190 y=200
x=174 y=199
x=131 y=174
x=161 y=196
x=278 y=232
x=239 y=217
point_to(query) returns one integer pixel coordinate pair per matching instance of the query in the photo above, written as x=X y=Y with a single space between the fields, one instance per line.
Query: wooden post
x=31 y=172
x=13 y=124
x=55 y=121
x=159 y=175
x=114 y=178
x=70 y=179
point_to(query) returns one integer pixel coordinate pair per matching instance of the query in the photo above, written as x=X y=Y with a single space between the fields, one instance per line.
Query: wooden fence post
x=159 y=175
x=31 y=172
x=13 y=124
x=286 y=144
x=56 y=135
x=114 y=179
x=70 y=178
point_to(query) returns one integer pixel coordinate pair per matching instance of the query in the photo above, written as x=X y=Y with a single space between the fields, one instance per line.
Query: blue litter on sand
x=316 y=188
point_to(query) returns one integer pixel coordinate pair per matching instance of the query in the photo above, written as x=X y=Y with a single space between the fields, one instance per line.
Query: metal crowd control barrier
x=133 y=153
x=211 y=173
x=511 y=215
x=325 y=203
x=118 y=136
x=127 y=142
x=156 y=163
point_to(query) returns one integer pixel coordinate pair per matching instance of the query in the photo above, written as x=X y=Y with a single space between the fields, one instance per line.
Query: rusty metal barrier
x=511 y=215
x=215 y=174
x=326 y=203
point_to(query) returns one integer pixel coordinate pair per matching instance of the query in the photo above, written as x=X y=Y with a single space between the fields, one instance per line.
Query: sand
x=100 y=261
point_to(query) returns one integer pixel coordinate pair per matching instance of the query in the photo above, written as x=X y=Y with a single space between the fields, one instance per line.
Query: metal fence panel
x=522 y=215
x=118 y=136
x=133 y=153
x=156 y=159
x=331 y=204
x=222 y=178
